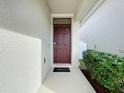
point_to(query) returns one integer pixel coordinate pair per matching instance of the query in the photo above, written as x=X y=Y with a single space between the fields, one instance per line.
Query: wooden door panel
x=62 y=44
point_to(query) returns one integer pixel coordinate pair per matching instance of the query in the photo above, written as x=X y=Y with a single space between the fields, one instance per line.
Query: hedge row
x=106 y=68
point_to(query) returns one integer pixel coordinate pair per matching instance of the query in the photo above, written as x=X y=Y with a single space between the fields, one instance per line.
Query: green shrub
x=82 y=64
x=106 y=68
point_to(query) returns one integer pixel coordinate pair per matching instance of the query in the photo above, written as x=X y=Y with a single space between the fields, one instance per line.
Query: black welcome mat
x=61 y=69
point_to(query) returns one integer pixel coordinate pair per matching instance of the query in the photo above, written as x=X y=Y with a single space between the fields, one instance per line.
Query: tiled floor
x=66 y=82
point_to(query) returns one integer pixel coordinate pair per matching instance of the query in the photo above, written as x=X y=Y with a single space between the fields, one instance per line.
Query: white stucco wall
x=23 y=24
x=104 y=30
x=45 y=35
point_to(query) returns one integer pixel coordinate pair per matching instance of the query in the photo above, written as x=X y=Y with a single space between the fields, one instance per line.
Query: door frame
x=52 y=38
x=69 y=41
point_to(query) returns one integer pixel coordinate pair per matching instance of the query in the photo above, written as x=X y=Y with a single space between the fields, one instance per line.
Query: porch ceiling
x=63 y=6
x=79 y=8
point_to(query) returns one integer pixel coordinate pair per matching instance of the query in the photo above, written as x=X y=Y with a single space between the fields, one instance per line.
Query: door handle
x=54 y=43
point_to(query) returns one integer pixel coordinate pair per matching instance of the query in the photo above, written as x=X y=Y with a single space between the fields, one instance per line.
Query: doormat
x=61 y=69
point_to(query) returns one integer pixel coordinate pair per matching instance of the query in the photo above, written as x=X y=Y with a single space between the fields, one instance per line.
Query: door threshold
x=62 y=65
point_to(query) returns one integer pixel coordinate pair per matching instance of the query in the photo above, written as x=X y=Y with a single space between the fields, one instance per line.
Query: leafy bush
x=82 y=64
x=106 y=68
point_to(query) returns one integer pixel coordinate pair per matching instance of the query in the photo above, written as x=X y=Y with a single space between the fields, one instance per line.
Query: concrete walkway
x=66 y=82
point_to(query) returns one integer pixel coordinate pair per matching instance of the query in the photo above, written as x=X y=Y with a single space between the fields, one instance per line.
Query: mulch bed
x=98 y=88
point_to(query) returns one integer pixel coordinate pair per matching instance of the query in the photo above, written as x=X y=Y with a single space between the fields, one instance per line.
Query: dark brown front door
x=62 y=44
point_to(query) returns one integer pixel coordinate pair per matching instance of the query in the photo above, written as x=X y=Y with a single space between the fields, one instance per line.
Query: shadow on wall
x=29 y=18
x=22 y=17
x=22 y=23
